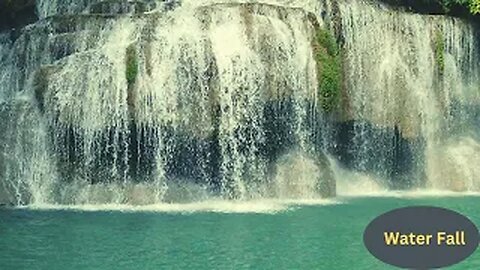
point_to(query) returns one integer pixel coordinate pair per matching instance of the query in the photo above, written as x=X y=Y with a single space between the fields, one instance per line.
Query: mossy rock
x=439 y=49
x=131 y=73
x=131 y=62
x=329 y=69
x=40 y=84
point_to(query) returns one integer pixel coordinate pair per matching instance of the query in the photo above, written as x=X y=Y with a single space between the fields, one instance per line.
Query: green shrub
x=329 y=70
x=439 y=51
x=131 y=65
x=474 y=6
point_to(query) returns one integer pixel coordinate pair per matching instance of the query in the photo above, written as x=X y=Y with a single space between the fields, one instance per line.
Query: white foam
x=261 y=206
x=265 y=206
x=356 y=184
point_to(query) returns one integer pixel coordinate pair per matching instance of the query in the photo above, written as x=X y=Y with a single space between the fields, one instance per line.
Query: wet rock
x=63 y=7
x=379 y=151
x=116 y=7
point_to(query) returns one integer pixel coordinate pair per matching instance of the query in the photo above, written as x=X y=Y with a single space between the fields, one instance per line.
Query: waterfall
x=171 y=105
x=142 y=102
x=47 y=8
x=397 y=79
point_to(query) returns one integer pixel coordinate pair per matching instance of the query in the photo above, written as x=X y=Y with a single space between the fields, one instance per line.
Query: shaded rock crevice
x=15 y=14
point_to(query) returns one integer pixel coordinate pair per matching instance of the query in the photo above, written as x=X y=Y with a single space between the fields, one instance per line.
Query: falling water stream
x=192 y=100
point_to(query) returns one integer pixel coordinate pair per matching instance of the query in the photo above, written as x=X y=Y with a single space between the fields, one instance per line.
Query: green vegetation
x=472 y=5
x=329 y=69
x=439 y=44
x=131 y=65
x=462 y=8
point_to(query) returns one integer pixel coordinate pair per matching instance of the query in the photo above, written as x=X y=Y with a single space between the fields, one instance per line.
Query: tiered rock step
x=115 y=7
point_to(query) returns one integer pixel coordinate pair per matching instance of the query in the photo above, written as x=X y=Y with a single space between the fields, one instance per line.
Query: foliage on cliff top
x=461 y=8
x=472 y=5
x=329 y=70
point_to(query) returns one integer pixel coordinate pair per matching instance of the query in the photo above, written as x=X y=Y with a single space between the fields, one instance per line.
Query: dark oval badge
x=421 y=237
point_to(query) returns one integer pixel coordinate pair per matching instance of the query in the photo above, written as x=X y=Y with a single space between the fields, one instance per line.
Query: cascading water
x=122 y=102
x=419 y=76
x=165 y=106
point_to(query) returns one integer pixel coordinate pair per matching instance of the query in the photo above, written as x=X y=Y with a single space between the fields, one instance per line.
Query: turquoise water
x=303 y=237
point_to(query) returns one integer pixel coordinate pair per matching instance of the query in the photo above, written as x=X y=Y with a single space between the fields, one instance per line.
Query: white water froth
x=264 y=206
x=352 y=183
x=46 y=8
x=459 y=165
